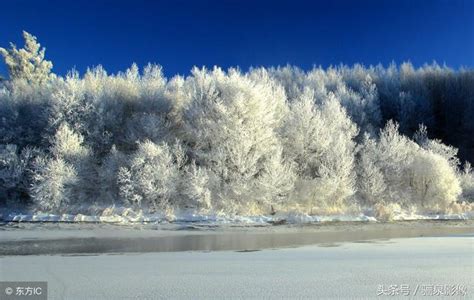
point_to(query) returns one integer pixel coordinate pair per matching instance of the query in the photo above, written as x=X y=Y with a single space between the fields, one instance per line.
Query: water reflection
x=216 y=241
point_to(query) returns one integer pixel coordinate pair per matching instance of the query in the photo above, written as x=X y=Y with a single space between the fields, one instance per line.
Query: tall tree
x=28 y=63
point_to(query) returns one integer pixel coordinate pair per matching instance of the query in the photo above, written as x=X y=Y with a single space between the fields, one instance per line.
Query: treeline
x=267 y=140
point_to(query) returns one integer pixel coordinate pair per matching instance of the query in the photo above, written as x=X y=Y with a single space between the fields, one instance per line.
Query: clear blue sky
x=181 y=34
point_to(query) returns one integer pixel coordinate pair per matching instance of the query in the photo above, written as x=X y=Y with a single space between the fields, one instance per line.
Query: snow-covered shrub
x=434 y=181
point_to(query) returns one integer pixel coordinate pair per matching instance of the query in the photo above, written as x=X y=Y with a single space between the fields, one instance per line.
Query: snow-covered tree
x=15 y=173
x=371 y=185
x=53 y=183
x=448 y=152
x=194 y=189
x=467 y=183
x=230 y=125
x=434 y=181
x=67 y=176
x=152 y=176
x=319 y=140
x=110 y=188
x=24 y=113
x=127 y=192
x=69 y=145
x=28 y=63
x=413 y=176
x=261 y=141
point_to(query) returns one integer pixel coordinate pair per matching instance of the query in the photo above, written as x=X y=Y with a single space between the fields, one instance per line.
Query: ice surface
x=348 y=270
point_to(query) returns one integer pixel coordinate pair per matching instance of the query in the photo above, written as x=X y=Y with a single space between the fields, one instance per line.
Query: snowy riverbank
x=126 y=216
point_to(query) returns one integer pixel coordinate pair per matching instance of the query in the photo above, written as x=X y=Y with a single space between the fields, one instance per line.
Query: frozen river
x=420 y=262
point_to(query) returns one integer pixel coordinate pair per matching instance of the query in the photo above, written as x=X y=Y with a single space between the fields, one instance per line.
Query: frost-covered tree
x=261 y=141
x=106 y=109
x=230 y=124
x=448 y=152
x=467 y=183
x=434 y=181
x=371 y=185
x=147 y=126
x=353 y=88
x=110 y=188
x=69 y=145
x=15 y=173
x=152 y=176
x=67 y=176
x=127 y=192
x=53 y=183
x=319 y=140
x=395 y=156
x=28 y=63
x=194 y=189
x=413 y=176
x=24 y=113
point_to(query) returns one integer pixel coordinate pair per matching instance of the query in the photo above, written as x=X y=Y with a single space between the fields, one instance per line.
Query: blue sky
x=181 y=34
